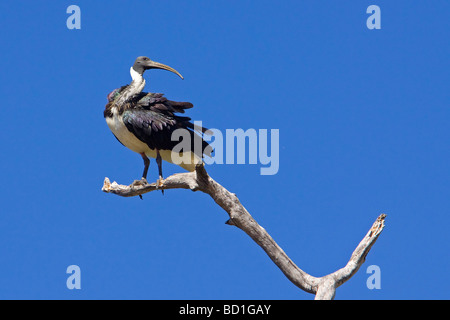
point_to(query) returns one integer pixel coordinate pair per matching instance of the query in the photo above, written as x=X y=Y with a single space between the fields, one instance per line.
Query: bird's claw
x=138 y=183
x=159 y=184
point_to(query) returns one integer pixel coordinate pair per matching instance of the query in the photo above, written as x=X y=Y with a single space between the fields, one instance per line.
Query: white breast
x=125 y=137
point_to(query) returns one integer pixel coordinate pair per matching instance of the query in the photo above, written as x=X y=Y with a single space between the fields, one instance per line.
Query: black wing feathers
x=151 y=118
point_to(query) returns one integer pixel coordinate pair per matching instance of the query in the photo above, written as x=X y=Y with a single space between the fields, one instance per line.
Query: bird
x=144 y=122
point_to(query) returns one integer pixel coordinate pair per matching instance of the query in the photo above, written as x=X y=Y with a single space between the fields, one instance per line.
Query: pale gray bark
x=324 y=288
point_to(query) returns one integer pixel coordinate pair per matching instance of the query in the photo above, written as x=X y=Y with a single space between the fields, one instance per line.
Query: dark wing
x=157 y=102
x=152 y=120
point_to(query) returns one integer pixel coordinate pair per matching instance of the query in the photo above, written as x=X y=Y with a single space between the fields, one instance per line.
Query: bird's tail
x=197 y=134
x=197 y=139
x=197 y=128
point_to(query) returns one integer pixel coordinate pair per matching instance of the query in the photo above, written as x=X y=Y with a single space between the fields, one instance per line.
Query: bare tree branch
x=324 y=287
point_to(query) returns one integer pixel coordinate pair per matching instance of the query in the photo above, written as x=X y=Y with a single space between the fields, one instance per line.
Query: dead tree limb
x=324 y=288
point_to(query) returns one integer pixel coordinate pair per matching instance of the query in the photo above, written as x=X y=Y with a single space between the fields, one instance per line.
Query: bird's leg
x=159 y=162
x=146 y=165
x=143 y=180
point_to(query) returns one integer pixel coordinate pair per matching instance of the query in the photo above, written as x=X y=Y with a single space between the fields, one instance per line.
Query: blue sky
x=363 y=117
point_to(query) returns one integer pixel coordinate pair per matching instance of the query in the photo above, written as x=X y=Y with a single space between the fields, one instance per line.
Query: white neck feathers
x=136 y=76
x=138 y=81
x=136 y=86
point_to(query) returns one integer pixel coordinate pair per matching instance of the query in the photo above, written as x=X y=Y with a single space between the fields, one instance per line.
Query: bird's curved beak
x=157 y=65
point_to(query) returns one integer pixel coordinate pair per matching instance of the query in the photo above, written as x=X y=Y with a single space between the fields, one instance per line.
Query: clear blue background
x=364 y=129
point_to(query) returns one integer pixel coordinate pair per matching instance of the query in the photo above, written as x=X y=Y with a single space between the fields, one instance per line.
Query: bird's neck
x=136 y=86
x=138 y=79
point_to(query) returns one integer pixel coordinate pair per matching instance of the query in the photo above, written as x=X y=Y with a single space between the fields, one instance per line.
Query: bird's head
x=143 y=63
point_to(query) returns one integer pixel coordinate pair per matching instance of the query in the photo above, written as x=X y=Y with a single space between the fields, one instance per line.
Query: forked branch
x=324 y=287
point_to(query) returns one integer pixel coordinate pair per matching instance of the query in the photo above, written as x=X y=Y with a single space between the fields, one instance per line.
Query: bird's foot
x=138 y=183
x=159 y=184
